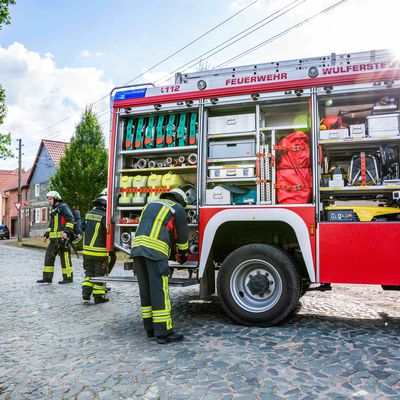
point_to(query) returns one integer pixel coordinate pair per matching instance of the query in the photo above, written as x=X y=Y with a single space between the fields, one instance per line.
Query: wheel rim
x=256 y=286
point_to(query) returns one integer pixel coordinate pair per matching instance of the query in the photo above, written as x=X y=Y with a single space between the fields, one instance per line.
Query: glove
x=46 y=235
x=181 y=258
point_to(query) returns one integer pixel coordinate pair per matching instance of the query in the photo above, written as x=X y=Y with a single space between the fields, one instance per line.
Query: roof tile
x=56 y=149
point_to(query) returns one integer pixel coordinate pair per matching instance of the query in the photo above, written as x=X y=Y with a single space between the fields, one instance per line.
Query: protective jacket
x=61 y=220
x=162 y=223
x=94 y=239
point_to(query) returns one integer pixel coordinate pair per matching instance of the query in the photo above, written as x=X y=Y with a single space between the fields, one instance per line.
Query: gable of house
x=44 y=169
x=45 y=165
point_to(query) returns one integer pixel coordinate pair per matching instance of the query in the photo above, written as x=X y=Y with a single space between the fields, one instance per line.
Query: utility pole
x=19 y=189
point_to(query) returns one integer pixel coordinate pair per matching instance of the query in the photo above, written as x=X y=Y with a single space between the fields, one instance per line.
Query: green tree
x=5 y=138
x=4 y=13
x=82 y=173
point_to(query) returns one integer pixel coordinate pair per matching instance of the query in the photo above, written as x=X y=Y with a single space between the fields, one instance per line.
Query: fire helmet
x=332 y=122
x=176 y=194
x=100 y=202
x=55 y=195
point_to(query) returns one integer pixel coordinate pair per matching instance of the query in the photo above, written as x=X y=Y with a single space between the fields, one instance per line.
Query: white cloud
x=88 y=53
x=39 y=94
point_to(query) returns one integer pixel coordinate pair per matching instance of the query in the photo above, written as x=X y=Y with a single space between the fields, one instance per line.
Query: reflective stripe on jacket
x=94 y=238
x=61 y=220
x=162 y=223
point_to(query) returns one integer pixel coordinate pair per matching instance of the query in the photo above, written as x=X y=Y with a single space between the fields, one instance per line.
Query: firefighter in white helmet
x=162 y=223
x=59 y=232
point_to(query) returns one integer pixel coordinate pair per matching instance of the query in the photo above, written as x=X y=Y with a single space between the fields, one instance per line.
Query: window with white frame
x=37 y=215
x=37 y=190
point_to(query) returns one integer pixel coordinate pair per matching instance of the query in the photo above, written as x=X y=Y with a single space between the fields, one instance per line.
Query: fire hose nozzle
x=142 y=163
x=192 y=158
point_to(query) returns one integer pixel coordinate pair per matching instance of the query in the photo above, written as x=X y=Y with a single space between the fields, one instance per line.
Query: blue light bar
x=130 y=94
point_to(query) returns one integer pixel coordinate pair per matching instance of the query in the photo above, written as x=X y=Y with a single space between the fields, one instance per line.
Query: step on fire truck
x=292 y=170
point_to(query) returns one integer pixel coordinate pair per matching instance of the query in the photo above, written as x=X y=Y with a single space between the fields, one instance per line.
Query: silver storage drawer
x=232 y=171
x=383 y=125
x=232 y=123
x=230 y=149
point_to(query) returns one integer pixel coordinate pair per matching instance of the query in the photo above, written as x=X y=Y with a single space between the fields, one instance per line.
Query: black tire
x=258 y=285
x=305 y=285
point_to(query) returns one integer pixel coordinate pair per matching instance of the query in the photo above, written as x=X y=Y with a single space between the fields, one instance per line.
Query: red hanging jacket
x=293 y=175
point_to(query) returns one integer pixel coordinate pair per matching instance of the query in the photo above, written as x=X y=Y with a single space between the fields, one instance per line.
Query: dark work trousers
x=94 y=266
x=54 y=249
x=154 y=294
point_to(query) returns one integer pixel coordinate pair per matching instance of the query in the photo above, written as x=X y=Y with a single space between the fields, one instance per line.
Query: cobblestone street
x=343 y=344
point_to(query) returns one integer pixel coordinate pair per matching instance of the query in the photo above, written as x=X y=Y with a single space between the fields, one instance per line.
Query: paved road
x=343 y=344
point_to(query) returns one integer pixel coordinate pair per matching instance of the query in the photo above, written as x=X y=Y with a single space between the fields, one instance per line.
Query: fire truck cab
x=292 y=171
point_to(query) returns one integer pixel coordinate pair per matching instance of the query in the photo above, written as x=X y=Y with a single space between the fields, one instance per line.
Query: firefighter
x=95 y=254
x=59 y=232
x=112 y=254
x=162 y=223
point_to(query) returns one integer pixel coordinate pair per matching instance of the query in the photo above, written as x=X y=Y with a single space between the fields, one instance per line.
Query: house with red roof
x=6 y=179
x=46 y=163
x=9 y=194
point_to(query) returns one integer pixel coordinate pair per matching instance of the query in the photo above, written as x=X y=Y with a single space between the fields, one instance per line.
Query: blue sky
x=58 y=56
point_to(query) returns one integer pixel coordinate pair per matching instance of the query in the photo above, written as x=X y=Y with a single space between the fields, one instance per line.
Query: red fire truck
x=292 y=171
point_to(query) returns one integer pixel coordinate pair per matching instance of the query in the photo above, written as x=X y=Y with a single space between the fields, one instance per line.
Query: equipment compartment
x=360 y=174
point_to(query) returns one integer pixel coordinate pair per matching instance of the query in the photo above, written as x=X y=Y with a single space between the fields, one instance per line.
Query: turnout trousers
x=94 y=266
x=154 y=295
x=54 y=249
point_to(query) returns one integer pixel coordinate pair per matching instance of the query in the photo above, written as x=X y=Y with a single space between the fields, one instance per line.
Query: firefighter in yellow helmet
x=59 y=232
x=162 y=223
x=95 y=254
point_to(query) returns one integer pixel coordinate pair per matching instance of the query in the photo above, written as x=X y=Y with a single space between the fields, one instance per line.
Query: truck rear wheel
x=258 y=285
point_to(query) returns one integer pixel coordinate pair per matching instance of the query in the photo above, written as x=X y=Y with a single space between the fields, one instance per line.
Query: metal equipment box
x=218 y=195
x=232 y=171
x=232 y=123
x=383 y=125
x=229 y=149
x=334 y=134
x=357 y=130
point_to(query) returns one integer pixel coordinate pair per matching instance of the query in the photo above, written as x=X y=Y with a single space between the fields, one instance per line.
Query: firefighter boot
x=67 y=280
x=43 y=280
x=169 y=338
x=150 y=333
x=86 y=293
x=100 y=299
